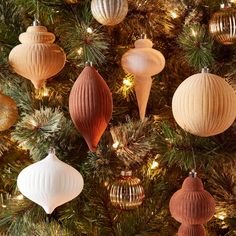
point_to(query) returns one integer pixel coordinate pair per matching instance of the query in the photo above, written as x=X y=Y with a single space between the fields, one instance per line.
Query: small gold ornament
x=127 y=193
x=72 y=1
x=8 y=112
x=222 y=25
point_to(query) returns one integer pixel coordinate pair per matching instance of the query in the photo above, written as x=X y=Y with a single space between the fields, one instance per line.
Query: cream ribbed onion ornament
x=37 y=58
x=50 y=182
x=143 y=62
x=204 y=104
x=109 y=12
x=222 y=25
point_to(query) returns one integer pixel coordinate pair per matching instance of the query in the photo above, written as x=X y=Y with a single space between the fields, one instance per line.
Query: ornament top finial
x=36 y=21
x=89 y=63
x=126 y=173
x=205 y=70
x=52 y=151
x=193 y=173
x=143 y=36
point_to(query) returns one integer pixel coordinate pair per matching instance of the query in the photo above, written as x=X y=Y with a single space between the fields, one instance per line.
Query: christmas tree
x=156 y=149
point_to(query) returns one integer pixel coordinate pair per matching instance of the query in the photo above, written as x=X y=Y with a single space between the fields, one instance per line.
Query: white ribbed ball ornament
x=204 y=104
x=109 y=12
x=50 y=182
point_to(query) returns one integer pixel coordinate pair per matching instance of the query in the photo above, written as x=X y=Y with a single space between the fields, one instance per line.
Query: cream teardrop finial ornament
x=37 y=58
x=50 y=182
x=204 y=104
x=144 y=62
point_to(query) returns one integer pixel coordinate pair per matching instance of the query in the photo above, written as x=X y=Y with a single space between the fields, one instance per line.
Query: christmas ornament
x=222 y=25
x=204 y=104
x=8 y=112
x=143 y=61
x=191 y=230
x=109 y=12
x=127 y=193
x=50 y=182
x=37 y=58
x=72 y=1
x=192 y=206
x=90 y=105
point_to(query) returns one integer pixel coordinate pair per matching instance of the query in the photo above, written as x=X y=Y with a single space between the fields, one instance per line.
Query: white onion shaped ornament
x=50 y=182
x=37 y=58
x=204 y=104
x=143 y=62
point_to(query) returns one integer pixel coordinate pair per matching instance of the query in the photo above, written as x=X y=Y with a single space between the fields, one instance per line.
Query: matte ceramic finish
x=204 y=105
x=37 y=58
x=192 y=204
x=90 y=106
x=50 y=183
x=143 y=61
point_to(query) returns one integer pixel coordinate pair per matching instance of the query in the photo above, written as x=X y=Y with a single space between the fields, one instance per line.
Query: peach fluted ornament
x=37 y=58
x=143 y=62
x=204 y=104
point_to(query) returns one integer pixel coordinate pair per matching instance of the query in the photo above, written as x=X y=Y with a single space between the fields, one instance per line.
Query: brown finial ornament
x=192 y=206
x=37 y=58
x=90 y=105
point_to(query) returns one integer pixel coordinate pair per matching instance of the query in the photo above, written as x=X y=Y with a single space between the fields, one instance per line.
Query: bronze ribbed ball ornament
x=8 y=112
x=126 y=193
x=222 y=25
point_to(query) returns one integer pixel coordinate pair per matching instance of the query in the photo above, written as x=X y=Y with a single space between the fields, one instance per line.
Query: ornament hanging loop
x=36 y=21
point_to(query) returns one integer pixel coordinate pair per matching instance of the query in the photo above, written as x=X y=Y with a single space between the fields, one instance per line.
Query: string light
x=222 y=5
x=116 y=144
x=221 y=215
x=89 y=30
x=80 y=51
x=194 y=33
x=155 y=164
x=173 y=14
x=20 y=197
x=127 y=82
x=4 y=206
x=33 y=123
x=42 y=92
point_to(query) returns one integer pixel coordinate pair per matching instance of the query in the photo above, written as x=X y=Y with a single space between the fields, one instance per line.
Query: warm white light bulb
x=155 y=164
x=116 y=144
x=20 y=197
x=80 y=51
x=89 y=30
x=173 y=14
x=127 y=82
x=194 y=33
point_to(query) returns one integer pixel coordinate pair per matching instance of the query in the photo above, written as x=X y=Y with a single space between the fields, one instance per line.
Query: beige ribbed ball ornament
x=204 y=104
x=37 y=58
x=109 y=12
